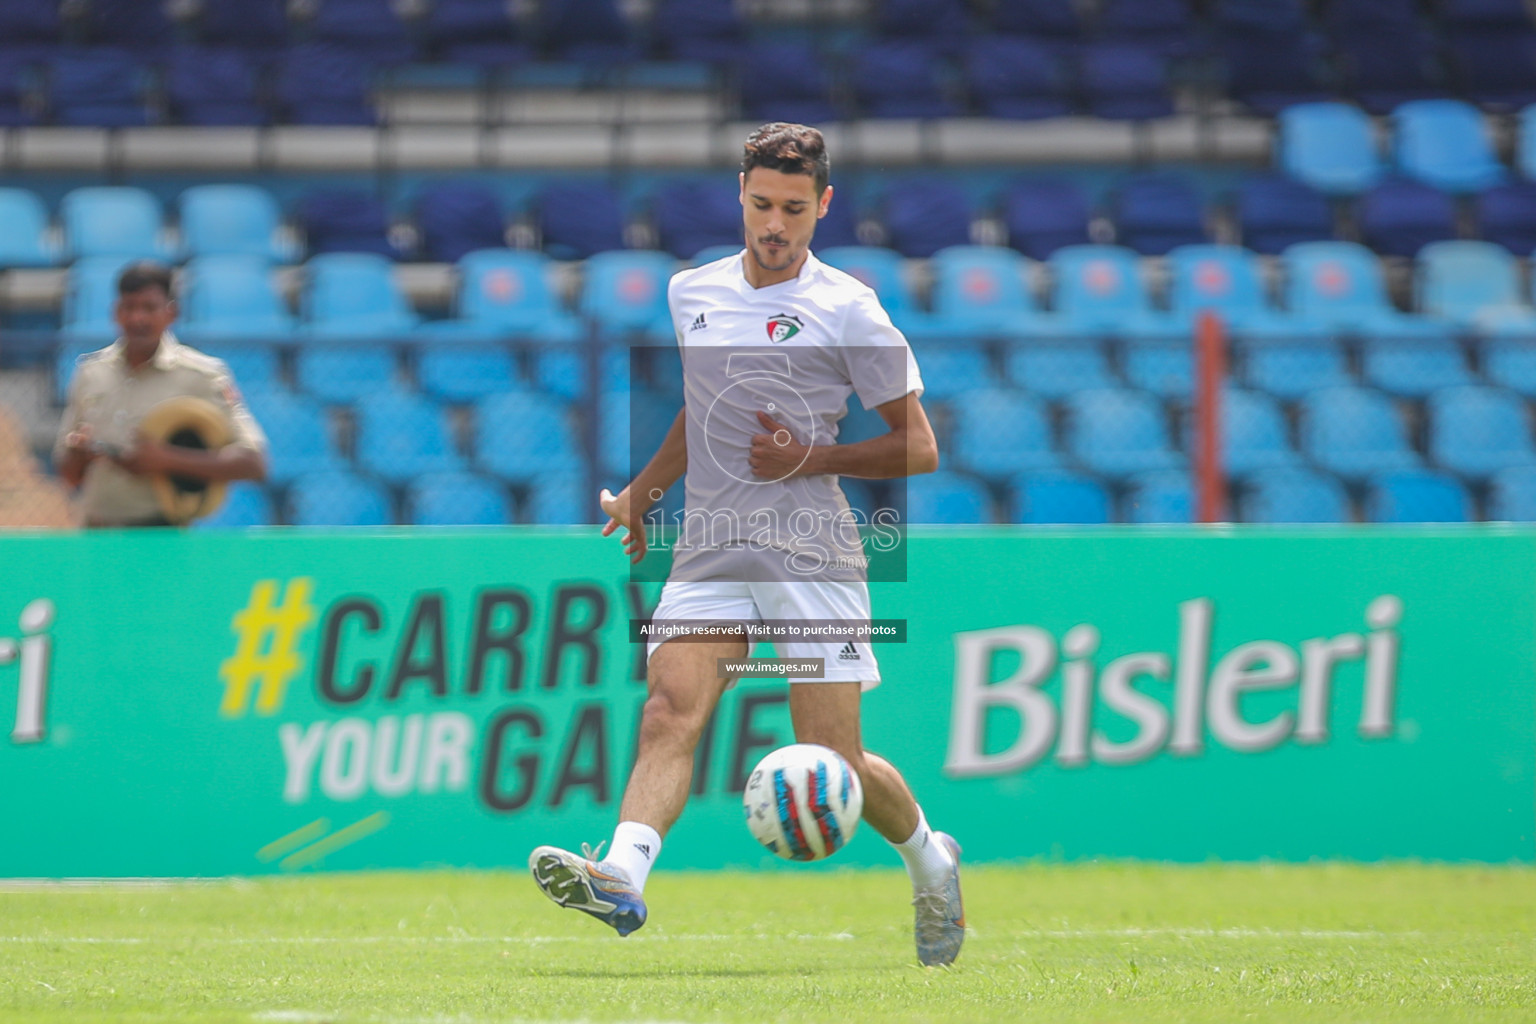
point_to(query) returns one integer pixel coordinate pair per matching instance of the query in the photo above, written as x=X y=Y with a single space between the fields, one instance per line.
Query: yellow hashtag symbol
x=274 y=662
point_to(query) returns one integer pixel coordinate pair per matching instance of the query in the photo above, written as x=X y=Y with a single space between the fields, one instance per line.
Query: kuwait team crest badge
x=783 y=327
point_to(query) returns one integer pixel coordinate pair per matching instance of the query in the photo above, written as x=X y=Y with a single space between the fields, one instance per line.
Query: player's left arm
x=907 y=449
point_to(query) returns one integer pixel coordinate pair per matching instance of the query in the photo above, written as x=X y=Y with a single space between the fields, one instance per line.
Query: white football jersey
x=795 y=350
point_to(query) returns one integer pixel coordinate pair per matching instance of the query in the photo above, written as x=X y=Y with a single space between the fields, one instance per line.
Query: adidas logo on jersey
x=698 y=324
x=848 y=653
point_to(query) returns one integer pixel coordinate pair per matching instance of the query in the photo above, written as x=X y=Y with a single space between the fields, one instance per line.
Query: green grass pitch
x=1048 y=942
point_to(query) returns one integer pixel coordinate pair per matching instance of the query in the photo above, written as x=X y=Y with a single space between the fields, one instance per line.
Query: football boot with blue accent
x=940 y=914
x=590 y=885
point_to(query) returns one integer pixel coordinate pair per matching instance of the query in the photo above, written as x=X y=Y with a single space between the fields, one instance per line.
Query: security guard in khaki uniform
x=101 y=448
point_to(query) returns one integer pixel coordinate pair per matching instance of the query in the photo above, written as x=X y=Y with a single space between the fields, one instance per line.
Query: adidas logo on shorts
x=848 y=653
x=698 y=324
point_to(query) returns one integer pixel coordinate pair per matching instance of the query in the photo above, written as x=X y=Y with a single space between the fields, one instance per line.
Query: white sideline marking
x=318 y=1017
x=535 y=940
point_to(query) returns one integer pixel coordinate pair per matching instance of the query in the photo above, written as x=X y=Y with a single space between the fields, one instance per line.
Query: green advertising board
x=221 y=703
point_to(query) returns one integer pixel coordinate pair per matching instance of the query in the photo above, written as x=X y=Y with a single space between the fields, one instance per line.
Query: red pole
x=1210 y=370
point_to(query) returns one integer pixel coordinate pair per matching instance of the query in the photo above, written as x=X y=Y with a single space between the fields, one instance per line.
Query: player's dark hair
x=788 y=149
x=144 y=274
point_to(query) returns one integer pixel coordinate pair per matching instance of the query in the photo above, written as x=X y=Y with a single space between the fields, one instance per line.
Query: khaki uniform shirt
x=112 y=400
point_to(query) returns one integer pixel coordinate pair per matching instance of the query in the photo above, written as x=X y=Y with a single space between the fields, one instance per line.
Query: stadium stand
x=468 y=211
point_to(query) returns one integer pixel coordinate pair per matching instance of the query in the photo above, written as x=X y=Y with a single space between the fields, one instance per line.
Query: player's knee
x=671 y=711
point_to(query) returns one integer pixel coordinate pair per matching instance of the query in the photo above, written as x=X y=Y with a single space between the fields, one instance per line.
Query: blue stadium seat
x=1339 y=286
x=1414 y=366
x=1525 y=143
x=1253 y=434
x=1156 y=212
x=1271 y=62
x=298 y=436
x=337 y=499
x=636 y=421
x=1389 y=64
x=506 y=292
x=579 y=219
x=1506 y=215
x=1354 y=432
x=465 y=371
x=1512 y=495
x=212 y=87
x=1274 y=212
x=90 y=294
x=999 y=432
x=1058 y=498
x=931 y=21
x=626 y=292
x=1168 y=26
x=25 y=241
x=401 y=435
x=350 y=301
x=799 y=90
x=254 y=363
x=1399 y=217
x=840 y=227
x=1098 y=289
x=1329 y=146
x=346 y=220
x=1045 y=214
x=947 y=497
x=1054 y=20
x=30 y=23
x=371 y=29
x=562 y=497
x=592 y=32
x=694 y=215
x=322 y=84
x=1494 y=66
x=1476 y=431
x=113 y=221
x=260 y=27
x=1417 y=496
x=1472 y=284
x=245 y=505
x=233 y=297
x=102 y=88
x=473 y=32
x=1283 y=354
x=1016 y=78
x=1161 y=497
x=1228 y=280
x=456 y=218
x=456 y=499
x=899 y=79
x=1116 y=432
x=1295 y=496
x=521 y=435
x=702 y=30
x=130 y=24
x=231 y=220
x=1125 y=81
x=1509 y=358
x=17 y=84
x=354 y=295
x=1444 y=144
x=924 y=215
x=982 y=291
x=503 y=294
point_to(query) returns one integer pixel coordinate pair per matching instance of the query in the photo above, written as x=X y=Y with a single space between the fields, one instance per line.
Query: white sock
x=928 y=860
x=634 y=849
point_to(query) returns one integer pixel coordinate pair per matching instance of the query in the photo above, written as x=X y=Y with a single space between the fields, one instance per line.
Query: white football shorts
x=845 y=661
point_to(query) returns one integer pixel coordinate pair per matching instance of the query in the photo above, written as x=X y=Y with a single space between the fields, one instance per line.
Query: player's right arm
x=628 y=507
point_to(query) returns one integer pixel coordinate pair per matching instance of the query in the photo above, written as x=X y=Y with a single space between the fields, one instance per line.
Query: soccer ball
x=803 y=802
